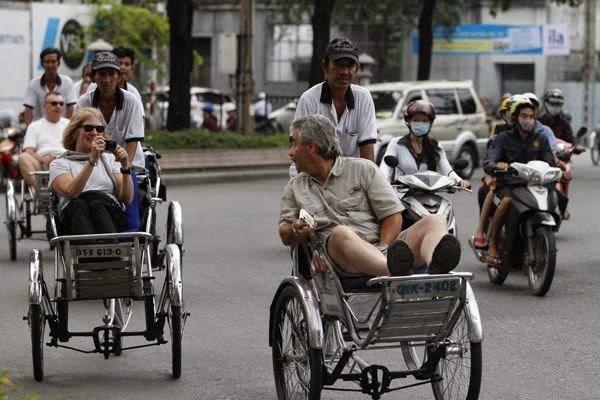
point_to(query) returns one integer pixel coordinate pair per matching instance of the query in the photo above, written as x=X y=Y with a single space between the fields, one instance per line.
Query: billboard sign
x=14 y=45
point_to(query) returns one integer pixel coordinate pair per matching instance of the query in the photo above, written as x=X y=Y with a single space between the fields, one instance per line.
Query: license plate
x=98 y=252
x=429 y=288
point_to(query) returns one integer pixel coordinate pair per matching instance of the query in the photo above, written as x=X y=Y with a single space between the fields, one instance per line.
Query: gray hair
x=319 y=130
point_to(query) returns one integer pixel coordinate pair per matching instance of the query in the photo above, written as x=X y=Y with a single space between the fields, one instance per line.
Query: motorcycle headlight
x=535 y=177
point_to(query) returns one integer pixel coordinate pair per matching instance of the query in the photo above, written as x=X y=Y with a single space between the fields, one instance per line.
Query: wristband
x=126 y=171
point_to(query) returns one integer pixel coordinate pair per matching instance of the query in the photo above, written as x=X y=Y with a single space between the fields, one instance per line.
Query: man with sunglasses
x=123 y=113
x=51 y=80
x=349 y=107
x=43 y=139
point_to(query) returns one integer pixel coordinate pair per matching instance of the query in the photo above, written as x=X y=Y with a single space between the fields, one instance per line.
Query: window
x=443 y=100
x=467 y=103
x=385 y=102
x=290 y=55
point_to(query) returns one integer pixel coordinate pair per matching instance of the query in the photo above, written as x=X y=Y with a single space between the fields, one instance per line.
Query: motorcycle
x=420 y=193
x=10 y=148
x=527 y=239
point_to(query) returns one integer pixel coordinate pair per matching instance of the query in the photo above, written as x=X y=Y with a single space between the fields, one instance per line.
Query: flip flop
x=479 y=243
x=494 y=261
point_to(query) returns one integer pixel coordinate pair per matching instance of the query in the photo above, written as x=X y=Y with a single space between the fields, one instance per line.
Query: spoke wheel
x=11 y=226
x=467 y=153
x=296 y=366
x=541 y=268
x=37 y=324
x=460 y=368
x=175 y=321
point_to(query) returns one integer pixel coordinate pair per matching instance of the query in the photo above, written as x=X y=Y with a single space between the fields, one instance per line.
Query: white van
x=460 y=125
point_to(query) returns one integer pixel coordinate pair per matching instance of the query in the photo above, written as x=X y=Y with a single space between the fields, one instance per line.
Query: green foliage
x=504 y=5
x=8 y=388
x=139 y=28
x=197 y=139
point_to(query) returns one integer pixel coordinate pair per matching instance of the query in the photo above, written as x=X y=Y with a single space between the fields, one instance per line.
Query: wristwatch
x=126 y=171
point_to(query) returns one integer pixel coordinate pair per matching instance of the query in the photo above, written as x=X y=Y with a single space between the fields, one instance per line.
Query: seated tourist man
x=43 y=139
x=357 y=212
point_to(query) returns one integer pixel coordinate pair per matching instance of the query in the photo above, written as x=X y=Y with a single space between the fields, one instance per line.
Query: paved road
x=534 y=348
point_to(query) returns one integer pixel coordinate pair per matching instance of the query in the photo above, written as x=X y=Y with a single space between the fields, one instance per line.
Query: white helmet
x=533 y=98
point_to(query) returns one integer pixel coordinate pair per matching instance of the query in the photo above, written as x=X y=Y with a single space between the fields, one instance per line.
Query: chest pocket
x=355 y=200
x=348 y=143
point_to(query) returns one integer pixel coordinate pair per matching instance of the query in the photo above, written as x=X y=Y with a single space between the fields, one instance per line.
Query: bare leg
x=27 y=164
x=485 y=214
x=424 y=236
x=354 y=255
x=497 y=223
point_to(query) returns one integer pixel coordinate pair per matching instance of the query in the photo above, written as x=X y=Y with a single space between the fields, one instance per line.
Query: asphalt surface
x=534 y=348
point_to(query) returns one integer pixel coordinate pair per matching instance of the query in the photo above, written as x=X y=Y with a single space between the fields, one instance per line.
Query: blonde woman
x=91 y=181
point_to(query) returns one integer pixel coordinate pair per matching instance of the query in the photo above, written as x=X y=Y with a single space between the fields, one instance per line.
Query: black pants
x=90 y=213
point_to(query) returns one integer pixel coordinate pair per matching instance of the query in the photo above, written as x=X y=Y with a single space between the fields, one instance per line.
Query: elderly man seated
x=43 y=139
x=357 y=212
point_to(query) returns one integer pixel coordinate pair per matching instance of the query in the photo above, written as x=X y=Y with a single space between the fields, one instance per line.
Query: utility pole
x=589 y=64
x=245 y=79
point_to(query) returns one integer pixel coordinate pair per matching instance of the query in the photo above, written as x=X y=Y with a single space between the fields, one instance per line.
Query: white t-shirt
x=126 y=122
x=357 y=124
x=37 y=89
x=98 y=180
x=128 y=86
x=46 y=137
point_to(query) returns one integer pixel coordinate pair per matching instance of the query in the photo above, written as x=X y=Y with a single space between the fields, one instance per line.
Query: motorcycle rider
x=555 y=118
x=417 y=151
x=521 y=144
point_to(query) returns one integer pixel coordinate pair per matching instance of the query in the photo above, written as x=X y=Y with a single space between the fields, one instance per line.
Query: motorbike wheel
x=468 y=153
x=496 y=275
x=541 y=268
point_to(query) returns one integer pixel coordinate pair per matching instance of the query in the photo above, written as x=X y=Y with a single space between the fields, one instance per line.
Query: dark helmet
x=554 y=96
x=419 y=106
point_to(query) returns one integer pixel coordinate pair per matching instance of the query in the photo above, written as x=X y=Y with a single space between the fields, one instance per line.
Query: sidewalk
x=185 y=166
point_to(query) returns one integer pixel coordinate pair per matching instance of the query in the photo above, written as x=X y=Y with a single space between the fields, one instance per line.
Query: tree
x=425 y=27
x=321 y=24
x=180 y=14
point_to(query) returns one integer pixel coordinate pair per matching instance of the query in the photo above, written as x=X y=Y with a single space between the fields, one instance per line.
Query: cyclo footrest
x=375 y=380
x=104 y=344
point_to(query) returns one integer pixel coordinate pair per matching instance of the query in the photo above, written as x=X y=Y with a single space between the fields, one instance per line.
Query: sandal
x=479 y=243
x=494 y=261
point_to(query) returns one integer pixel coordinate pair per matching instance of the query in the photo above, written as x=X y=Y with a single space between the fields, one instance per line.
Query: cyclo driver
x=521 y=144
x=357 y=212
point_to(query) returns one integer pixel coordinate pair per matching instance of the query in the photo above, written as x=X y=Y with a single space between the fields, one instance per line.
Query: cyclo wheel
x=297 y=367
x=37 y=324
x=460 y=367
x=176 y=333
x=11 y=225
x=541 y=271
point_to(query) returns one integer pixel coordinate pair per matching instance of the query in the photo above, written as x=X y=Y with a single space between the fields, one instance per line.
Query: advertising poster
x=14 y=44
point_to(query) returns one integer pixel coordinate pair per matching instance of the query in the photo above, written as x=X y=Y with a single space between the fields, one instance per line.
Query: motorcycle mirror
x=391 y=161
x=582 y=131
x=460 y=164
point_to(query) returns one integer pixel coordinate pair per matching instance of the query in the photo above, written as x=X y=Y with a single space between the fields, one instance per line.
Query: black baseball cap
x=341 y=48
x=105 y=59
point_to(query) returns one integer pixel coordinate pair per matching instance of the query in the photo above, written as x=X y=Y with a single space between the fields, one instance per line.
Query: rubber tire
x=467 y=152
x=545 y=233
x=475 y=368
x=496 y=276
x=315 y=356
x=37 y=324
x=176 y=335
x=12 y=239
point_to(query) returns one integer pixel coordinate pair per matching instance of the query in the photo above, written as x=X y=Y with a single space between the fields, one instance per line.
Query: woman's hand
x=121 y=156
x=97 y=149
x=465 y=184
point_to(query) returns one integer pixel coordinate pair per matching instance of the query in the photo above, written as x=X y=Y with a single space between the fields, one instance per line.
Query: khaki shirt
x=356 y=194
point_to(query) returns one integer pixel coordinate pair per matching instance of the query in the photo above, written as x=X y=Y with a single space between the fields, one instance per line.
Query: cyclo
x=320 y=323
x=117 y=268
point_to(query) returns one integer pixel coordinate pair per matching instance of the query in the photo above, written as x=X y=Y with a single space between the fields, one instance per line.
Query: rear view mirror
x=582 y=131
x=391 y=161
x=460 y=165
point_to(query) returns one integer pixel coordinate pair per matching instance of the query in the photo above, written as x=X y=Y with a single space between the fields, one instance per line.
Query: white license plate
x=98 y=252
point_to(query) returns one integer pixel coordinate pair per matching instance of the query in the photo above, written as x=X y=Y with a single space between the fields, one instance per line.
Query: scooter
x=527 y=240
x=10 y=148
x=420 y=193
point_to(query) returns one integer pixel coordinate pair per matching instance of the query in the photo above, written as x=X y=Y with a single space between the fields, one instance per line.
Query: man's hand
x=302 y=229
x=567 y=175
x=502 y=166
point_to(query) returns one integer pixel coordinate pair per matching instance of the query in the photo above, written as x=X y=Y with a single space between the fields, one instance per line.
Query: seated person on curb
x=417 y=151
x=357 y=212
x=43 y=139
x=90 y=182
x=521 y=144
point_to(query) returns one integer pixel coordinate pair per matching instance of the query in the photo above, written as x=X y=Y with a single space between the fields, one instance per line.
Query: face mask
x=420 y=128
x=527 y=124
x=553 y=110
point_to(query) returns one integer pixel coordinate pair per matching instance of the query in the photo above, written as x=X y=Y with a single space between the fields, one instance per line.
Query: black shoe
x=446 y=255
x=400 y=258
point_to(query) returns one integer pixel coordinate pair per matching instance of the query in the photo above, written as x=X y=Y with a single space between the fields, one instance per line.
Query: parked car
x=156 y=112
x=460 y=125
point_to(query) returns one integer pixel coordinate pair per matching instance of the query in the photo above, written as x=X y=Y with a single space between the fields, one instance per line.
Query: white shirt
x=407 y=165
x=128 y=86
x=45 y=136
x=126 y=122
x=357 y=124
x=262 y=108
x=37 y=89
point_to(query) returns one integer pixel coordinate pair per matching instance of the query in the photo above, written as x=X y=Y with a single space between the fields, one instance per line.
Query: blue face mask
x=420 y=128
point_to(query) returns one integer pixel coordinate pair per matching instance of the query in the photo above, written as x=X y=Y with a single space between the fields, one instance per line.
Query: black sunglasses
x=56 y=103
x=89 y=128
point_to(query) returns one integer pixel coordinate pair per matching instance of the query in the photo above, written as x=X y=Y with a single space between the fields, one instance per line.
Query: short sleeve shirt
x=356 y=194
x=45 y=136
x=126 y=122
x=37 y=89
x=356 y=127
x=99 y=180
x=128 y=86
